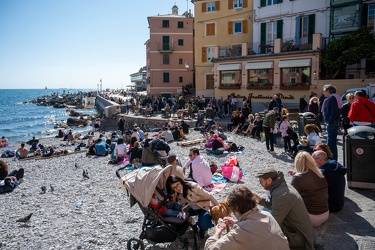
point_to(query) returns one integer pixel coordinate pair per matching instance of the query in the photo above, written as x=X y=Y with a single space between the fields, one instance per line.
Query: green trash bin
x=359 y=157
x=304 y=119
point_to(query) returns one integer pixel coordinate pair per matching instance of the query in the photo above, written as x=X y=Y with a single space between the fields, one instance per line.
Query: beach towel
x=218 y=186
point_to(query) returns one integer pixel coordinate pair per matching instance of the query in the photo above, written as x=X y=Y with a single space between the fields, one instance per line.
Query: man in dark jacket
x=268 y=126
x=287 y=207
x=334 y=172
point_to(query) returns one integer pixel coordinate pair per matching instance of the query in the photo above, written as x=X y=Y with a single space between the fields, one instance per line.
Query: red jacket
x=358 y=111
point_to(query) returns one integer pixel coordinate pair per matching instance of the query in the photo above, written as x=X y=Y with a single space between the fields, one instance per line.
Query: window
x=180 y=25
x=305 y=28
x=180 y=79
x=210 y=53
x=237 y=3
x=210 y=7
x=346 y=18
x=180 y=42
x=271 y=31
x=180 y=61
x=210 y=29
x=260 y=77
x=165 y=77
x=210 y=81
x=230 y=77
x=371 y=16
x=268 y=33
x=165 y=23
x=165 y=59
x=295 y=76
x=237 y=26
x=264 y=3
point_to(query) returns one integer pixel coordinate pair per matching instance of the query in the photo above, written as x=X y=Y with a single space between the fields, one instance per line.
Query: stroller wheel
x=135 y=244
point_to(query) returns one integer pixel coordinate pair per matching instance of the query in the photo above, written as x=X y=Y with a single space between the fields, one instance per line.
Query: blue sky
x=75 y=43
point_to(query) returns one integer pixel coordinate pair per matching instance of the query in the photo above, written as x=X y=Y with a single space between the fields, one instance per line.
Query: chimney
x=175 y=10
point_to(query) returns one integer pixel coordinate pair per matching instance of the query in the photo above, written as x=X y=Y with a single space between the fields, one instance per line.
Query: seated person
x=215 y=144
x=90 y=141
x=312 y=132
x=101 y=148
x=185 y=127
x=258 y=127
x=30 y=142
x=334 y=172
x=22 y=152
x=15 y=175
x=253 y=227
x=200 y=170
x=160 y=145
x=176 y=170
x=167 y=134
x=34 y=146
x=4 y=142
x=176 y=134
x=135 y=153
x=120 y=151
x=170 y=209
x=60 y=134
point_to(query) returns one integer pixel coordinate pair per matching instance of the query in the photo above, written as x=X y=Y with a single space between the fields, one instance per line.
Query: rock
x=76 y=122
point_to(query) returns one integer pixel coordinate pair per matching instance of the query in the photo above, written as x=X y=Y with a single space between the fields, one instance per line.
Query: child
x=312 y=131
x=283 y=128
x=170 y=209
x=276 y=131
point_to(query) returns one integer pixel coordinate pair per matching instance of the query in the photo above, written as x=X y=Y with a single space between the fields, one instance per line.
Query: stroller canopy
x=141 y=183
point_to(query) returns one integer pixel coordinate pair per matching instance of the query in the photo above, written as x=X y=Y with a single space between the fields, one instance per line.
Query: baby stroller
x=140 y=185
x=149 y=157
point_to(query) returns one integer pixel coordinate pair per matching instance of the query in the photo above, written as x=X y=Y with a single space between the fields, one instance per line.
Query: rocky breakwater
x=60 y=101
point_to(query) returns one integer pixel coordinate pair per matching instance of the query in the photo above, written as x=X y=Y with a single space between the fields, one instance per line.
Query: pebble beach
x=78 y=213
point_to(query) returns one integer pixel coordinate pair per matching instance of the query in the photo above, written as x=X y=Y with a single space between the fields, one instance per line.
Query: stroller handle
x=118 y=171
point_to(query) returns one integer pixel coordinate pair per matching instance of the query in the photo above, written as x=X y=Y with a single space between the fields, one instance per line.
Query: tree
x=347 y=50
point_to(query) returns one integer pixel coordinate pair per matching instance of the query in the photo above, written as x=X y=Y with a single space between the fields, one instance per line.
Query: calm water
x=20 y=121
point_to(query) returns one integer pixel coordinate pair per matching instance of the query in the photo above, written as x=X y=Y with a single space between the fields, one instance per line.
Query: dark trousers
x=287 y=145
x=269 y=138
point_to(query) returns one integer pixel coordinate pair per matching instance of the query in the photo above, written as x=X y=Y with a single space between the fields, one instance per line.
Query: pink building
x=168 y=53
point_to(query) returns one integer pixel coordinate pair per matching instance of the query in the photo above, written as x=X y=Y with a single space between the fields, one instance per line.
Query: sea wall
x=108 y=107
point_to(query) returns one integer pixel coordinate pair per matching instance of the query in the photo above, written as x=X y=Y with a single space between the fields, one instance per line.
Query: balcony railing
x=230 y=86
x=256 y=85
x=165 y=48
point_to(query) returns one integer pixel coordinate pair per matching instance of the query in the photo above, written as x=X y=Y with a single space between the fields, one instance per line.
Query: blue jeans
x=204 y=219
x=173 y=209
x=332 y=131
x=214 y=151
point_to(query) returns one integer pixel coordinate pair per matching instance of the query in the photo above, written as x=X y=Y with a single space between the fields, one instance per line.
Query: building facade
x=168 y=51
x=139 y=80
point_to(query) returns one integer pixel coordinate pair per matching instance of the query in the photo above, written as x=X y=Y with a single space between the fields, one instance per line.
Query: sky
x=75 y=43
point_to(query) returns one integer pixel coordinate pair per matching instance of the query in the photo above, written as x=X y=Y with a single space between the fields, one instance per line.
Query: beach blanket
x=218 y=186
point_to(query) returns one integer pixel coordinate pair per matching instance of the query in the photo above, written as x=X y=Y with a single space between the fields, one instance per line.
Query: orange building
x=168 y=53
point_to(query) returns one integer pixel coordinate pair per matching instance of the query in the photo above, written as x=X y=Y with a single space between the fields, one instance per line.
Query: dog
x=220 y=211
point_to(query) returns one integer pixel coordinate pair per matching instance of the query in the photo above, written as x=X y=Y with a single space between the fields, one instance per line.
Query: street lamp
x=187 y=67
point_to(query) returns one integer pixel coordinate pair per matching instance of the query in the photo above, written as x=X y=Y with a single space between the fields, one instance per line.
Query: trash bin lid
x=353 y=131
x=307 y=114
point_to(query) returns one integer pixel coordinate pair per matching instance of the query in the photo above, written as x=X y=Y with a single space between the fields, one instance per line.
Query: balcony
x=165 y=48
x=294 y=86
x=230 y=86
x=303 y=43
x=256 y=85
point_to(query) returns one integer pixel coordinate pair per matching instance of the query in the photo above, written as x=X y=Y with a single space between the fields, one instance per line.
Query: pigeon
x=76 y=165
x=52 y=188
x=85 y=174
x=44 y=189
x=25 y=219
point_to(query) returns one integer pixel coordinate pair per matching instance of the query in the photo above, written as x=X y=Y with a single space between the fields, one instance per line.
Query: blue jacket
x=102 y=148
x=331 y=111
x=334 y=172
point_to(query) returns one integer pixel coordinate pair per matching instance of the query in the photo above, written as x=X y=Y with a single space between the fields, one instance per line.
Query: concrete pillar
x=317 y=41
x=244 y=49
x=277 y=46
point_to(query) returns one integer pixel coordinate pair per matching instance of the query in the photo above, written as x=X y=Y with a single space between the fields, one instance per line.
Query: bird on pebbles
x=25 y=219
x=85 y=174
x=44 y=189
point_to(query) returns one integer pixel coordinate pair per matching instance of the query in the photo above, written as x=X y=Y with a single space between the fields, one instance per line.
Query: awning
x=259 y=65
x=232 y=66
x=295 y=63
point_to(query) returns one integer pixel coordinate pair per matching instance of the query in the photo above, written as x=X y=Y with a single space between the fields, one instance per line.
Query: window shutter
x=217 y=5
x=230 y=28
x=204 y=57
x=298 y=30
x=204 y=7
x=279 y=33
x=244 y=4
x=311 y=27
x=230 y=4
x=263 y=33
x=244 y=26
x=280 y=1
x=262 y=3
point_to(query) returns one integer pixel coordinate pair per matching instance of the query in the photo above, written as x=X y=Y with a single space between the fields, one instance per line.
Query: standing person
x=334 y=172
x=268 y=126
x=200 y=171
x=287 y=207
x=283 y=128
x=345 y=112
x=197 y=198
x=233 y=103
x=362 y=111
x=220 y=107
x=302 y=104
x=121 y=124
x=331 y=111
x=253 y=227
x=273 y=103
x=312 y=186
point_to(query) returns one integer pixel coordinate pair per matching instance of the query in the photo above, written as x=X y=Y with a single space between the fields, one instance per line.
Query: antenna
x=187 y=6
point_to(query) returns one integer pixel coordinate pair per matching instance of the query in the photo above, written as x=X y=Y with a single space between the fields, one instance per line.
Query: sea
x=21 y=120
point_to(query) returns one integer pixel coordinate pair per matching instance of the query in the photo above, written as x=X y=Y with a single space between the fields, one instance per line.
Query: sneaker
x=181 y=215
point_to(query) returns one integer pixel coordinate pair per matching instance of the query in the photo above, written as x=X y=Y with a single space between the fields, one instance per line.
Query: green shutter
x=262 y=3
x=311 y=27
x=280 y=29
x=263 y=28
x=280 y=1
x=298 y=30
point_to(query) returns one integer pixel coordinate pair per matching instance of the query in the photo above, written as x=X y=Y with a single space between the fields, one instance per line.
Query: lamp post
x=187 y=67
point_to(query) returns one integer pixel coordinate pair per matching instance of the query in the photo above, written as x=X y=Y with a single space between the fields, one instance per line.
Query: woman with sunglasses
x=345 y=111
x=197 y=198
